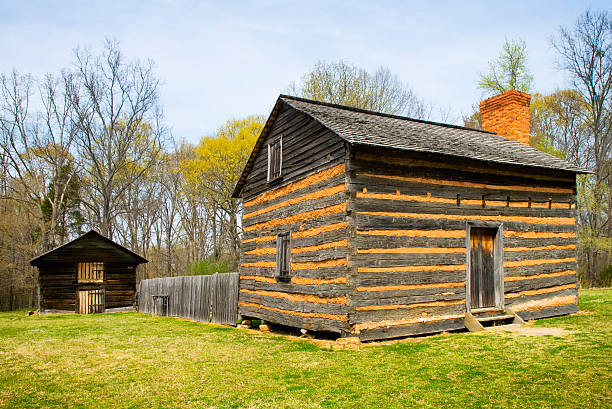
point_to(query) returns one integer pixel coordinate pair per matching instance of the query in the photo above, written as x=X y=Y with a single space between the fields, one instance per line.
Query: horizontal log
x=317 y=182
x=293 y=296
x=468 y=201
x=390 y=241
x=538 y=262
x=540 y=269
x=513 y=287
x=430 y=162
x=329 y=272
x=412 y=268
x=526 y=257
x=322 y=290
x=302 y=206
x=392 y=260
x=392 y=299
x=284 y=208
x=400 y=316
x=298 y=240
x=521 y=275
x=409 y=278
x=411 y=329
x=549 y=312
x=567 y=221
x=469 y=195
x=438 y=179
x=326 y=207
x=324 y=174
x=541 y=291
x=320 y=255
x=289 y=319
x=294 y=306
x=381 y=222
x=303 y=224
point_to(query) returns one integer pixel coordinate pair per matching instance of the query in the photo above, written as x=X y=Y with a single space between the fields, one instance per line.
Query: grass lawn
x=134 y=360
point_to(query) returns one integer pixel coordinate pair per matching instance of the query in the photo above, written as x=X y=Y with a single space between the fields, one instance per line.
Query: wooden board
x=482 y=268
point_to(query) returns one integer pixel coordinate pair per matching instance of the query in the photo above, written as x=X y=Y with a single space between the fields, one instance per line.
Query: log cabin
x=378 y=226
x=87 y=275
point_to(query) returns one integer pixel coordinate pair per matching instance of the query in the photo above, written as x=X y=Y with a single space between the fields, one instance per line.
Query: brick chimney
x=507 y=115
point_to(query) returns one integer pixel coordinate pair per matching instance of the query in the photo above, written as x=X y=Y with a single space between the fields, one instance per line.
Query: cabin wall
x=309 y=202
x=408 y=260
x=119 y=285
x=59 y=286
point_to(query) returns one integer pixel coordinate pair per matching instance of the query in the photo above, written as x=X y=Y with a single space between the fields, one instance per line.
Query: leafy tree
x=508 y=71
x=346 y=84
x=70 y=219
x=214 y=171
x=557 y=126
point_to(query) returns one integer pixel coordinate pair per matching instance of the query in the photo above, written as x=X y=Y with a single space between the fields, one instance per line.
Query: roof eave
x=576 y=170
x=35 y=261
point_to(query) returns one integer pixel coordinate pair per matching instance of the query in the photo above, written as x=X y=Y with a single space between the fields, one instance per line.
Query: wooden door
x=482 y=267
x=91 y=301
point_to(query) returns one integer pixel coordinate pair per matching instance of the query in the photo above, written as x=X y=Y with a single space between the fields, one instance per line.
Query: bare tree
x=121 y=135
x=346 y=84
x=585 y=52
x=37 y=146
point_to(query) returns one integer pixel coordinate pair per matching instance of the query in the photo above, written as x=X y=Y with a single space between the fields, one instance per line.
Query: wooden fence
x=205 y=298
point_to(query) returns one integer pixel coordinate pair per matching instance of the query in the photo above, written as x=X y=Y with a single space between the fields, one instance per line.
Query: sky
x=223 y=60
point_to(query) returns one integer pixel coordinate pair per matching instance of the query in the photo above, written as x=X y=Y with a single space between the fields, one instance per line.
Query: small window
x=283 y=253
x=91 y=272
x=275 y=159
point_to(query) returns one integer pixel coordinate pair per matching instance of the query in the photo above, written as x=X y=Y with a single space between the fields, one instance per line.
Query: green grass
x=135 y=360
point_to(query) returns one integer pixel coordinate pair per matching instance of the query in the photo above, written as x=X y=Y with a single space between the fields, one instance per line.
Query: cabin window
x=275 y=159
x=283 y=253
x=91 y=272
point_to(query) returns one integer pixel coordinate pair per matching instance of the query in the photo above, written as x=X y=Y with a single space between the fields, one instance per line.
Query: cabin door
x=90 y=301
x=482 y=267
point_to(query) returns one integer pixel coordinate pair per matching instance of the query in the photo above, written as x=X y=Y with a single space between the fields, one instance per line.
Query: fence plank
x=211 y=298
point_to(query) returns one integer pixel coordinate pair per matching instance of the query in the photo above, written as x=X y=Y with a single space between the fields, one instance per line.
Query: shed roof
x=363 y=127
x=85 y=241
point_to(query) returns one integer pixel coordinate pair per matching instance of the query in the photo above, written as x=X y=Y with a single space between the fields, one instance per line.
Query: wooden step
x=486 y=310
x=495 y=318
x=489 y=317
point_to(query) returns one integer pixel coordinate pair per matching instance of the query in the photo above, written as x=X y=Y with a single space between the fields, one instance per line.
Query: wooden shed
x=378 y=226
x=89 y=274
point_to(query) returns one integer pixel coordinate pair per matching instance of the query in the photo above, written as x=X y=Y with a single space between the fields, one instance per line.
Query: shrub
x=606 y=276
x=207 y=267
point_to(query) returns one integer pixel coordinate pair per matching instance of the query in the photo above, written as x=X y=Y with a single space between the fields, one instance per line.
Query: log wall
x=310 y=202
x=408 y=258
x=59 y=285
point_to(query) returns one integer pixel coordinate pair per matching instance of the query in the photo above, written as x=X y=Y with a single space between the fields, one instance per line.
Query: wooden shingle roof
x=89 y=243
x=362 y=127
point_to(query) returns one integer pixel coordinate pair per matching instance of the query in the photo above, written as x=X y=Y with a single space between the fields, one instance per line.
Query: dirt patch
x=529 y=330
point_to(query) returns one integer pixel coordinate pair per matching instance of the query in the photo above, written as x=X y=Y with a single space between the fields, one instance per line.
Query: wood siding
x=309 y=201
x=408 y=249
x=61 y=280
x=379 y=237
x=59 y=285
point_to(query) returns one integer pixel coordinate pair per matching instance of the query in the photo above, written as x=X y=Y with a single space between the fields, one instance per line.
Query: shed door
x=482 y=267
x=91 y=301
